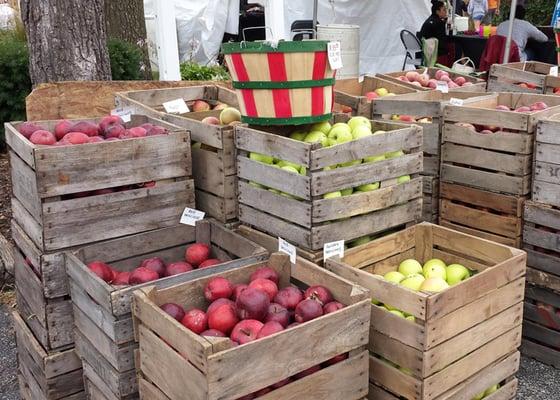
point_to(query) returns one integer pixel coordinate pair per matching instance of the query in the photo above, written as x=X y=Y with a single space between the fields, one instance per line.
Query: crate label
x=333 y=249
x=554 y=71
x=125 y=113
x=442 y=86
x=177 y=106
x=456 y=102
x=287 y=248
x=335 y=57
x=190 y=216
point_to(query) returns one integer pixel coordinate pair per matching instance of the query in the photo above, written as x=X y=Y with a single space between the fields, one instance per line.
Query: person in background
x=493 y=10
x=434 y=27
x=522 y=32
x=461 y=7
x=477 y=9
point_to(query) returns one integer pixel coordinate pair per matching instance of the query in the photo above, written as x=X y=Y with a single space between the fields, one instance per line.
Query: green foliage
x=539 y=12
x=15 y=83
x=191 y=71
x=126 y=60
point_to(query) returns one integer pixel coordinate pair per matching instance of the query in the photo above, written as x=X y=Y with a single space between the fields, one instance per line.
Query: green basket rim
x=282 y=47
x=283 y=85
x=286 y=121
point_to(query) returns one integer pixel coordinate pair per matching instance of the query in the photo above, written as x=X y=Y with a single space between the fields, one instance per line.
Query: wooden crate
x=546 y=176
x=214 y=153
x=426 y=106
x=48 y=184
x=478 y=85
x=457 y=332
x=430 y=200
x=351 y=93
x=312 y=221
x=492 y=216
x=502 y=161
x=216 y=370
x=508 y=77
x=45 y=375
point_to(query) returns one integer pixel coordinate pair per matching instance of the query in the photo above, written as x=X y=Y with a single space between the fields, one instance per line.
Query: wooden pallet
x=214 y=370
x=301 y=214
x=478 y=85
x=501 y=161
x=213 y=157
x=492 y=216
x=458 y=332
x=49 y=182
x=508 y=77
x=351 y=93
x=546 y=174
x=45 y=375
x=430 y=201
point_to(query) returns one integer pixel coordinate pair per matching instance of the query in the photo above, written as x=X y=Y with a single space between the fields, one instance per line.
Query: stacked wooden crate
x=213 y=151
x=527 y=77
x=425 y=109
x=541 y=240
x=486 y=164
x=297 y=207
x=453 y=344
x=67 y=196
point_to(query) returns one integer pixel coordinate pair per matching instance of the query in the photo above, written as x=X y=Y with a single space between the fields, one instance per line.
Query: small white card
x=333 y=249
x=177 y=106
x=442 y=87
x=456 y=102
x=125 y=113
x=554 y=71
x=287 y=248
x=190 y=216
x=334 y=53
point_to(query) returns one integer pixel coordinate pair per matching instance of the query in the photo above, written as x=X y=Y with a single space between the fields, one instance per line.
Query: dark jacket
x=434 y=27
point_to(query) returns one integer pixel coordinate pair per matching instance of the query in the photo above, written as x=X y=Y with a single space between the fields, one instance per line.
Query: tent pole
x=315 y=6
x=510 y=31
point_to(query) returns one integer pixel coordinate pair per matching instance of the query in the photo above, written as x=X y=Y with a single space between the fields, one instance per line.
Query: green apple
x=456 y=273
x=347 y=192
x=340 y=135
x=196 y=145
x=368 y=187
x=290 y=169
x=394 y=276
x=381 y=91
x=302 y=170
x=350 y=163
x=324 y=127
x=397 y=313
x=410 y=318
x=491 y=389
x=361 y=131
x=316 y=137
x=283 y=163
x=380 y=132
x=434 y=285
x=275 y=191
x=479 y=396
x=360 y=241
x=342 y=125
x=262 y=158
x=409 y=267
x=288 y=195
x=405 y=371
x=374 y=158
x=394 y=154
x=298 y=136
x=413 y=282
x=403 y=179
x=332 y=195
x=257 y=185
x=434 y=268
x=354 y=122
x=374 y=301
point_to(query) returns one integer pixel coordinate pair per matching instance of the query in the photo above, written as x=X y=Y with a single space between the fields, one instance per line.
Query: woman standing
x=477 y=10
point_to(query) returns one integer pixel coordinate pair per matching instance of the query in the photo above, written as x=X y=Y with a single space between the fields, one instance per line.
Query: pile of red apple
x=202 y=105
x=248 y=312
x=67 y=133
x=197 y=256
x=424 y=80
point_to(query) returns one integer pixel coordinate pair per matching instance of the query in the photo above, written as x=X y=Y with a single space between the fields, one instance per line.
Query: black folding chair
x=413 y=48
x=302 y=29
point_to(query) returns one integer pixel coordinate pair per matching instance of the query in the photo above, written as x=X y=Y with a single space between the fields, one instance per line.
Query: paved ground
x=537 y=381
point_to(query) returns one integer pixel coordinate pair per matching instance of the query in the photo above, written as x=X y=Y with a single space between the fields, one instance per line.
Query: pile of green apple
x=487 y=392
x=433 y=277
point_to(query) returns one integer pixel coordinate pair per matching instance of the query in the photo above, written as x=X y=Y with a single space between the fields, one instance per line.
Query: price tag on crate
x=190 y=216
x=177 y=106
x=287 y=248
x=333 y=249
x=554 y=71
x=442 y=86
x=125 y=113
x=334 y=53
x=456 y=102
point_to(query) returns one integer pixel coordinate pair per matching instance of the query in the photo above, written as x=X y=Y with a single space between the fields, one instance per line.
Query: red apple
x=196 y=320
x=209 y=263
x=122 y=278
x=246 y=331
x=75 y=138
x=406 y=118
x=155 y=264
x=211 y=121
x=223 y=318
x=178 y=267
x=62 y=128
x=439 y=73
x=432 y=83
x=460 y=80
x=95 y=139
x=218 y=288
x=278 y=313
x=212 y=333
x=523 y=109
x=252 y=304
x=539 y=106
x=266 y=273
x=412 y=76
x=335 y=359
x=237 y=289
x=502 y=107
x=174 y=310
x=283 y=382
x=41 y=137
x=307 y=372
x=108 y=121
x=136 y=132
x=266 y=285
x=270 y=328
x=371 y=96
x=486 y=131
x=307 y=310
x=156 y=130
x=27 y=129
x=102 y=270
x=219 y=302
x=332 y=307
x=262 y=392
x=142 y=275
x=88 y=128
x=289 y=297
x=319 y=293
x=114 y=131
x=197 y=253
x=293 y=324
x=200 y=105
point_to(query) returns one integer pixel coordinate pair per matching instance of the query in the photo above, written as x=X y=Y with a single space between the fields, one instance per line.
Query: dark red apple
x=108 y=121
x=142 y=275
x=223 y=318
x=62 y=128
x=155 y=264
x=115 y=131
x=197 y=253
x=102 y=270
x=219 y=302
x=218 y=288
x=122 y=278
x=156 y=130
x=27 y=129
x=278 y=313
x=174 y=310
x=266 y=273
x=252 y=304
x=270 y=328
x=293 y=324
x=238 y=288
x=289 y=297
x=246 y=331
x=41 y=137
x=332 y=307
x=89 y=128
x=266 y=285
x=319 y=293
x=209 y=263
x=307 y=310
x=196 y=320
x=178 y=267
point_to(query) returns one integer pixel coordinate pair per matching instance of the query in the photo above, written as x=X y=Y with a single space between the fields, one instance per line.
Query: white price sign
x=177 y=106
x=287 y=248
x=442 y=86
x=334 y=53
x=333 y=249
x=125 y=113
x=554 y=71
x=190 y=216
x=456 y=102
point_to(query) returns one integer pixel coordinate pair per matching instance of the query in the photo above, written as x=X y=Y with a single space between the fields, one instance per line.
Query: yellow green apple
x=456 y=273
x=374 y=158
x=397 y=313
x=360 y=241
x=298 y=136
x=394 y=154
x=381 y=91
x=394 y=276
x=262 y=158
x=491 y=390
x=332 y=195
x=359 y=120
x=379 y=132
x=316 y=137
x=410 y=318
x=368 y=187
x=410 y=266
x=347 y=192
x=340 y=134
x=324 y=127
x=413 y=282
x=289 y=168
x=403 y=179
x=283 y=163
x=361 y=131
x=350 y=163
x=434 y=268
x=257 y=185
x=434 y=285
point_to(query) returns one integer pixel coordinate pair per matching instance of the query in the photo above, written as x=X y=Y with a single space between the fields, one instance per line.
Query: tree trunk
x=125 y=21
x=67 y=40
